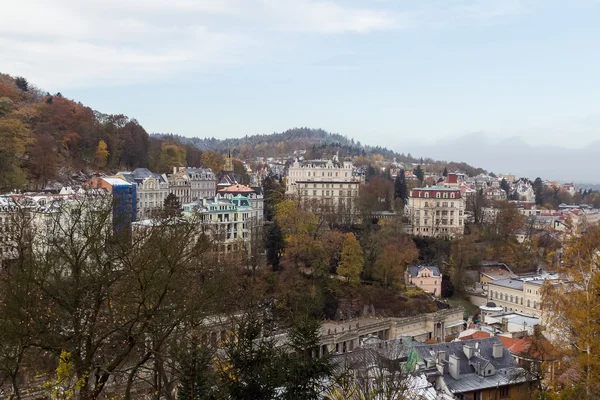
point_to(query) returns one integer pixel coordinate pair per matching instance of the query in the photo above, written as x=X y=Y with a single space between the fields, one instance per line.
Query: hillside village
x=119 y=277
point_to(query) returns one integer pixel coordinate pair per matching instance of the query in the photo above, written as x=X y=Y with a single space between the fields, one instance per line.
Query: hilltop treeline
x=47 y=138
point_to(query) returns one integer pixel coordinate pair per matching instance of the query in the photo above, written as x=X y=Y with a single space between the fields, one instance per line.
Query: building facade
x=427 y=278
x=436 y=211
x=191 y=184
x=517 y=295
x=318 y=171
x=227 y=221
x=151 y=188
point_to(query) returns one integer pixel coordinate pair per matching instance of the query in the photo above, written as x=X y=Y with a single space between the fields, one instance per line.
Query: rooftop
x=508 y=283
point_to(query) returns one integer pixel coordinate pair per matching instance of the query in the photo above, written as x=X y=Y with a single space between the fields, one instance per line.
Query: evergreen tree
x=274 y=244
x=445 y=173
x=196 y=375
x=172 y=206
x=505 y=186
x=22 y=83
x=538 y=188
x=418 y=172
x=252 y=367
x=400 y=187
x=306 y=376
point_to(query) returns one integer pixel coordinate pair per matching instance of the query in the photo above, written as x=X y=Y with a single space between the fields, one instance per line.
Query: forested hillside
x=47 y=140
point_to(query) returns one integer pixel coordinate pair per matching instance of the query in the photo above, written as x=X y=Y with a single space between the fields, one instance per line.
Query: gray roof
x=507 y=370
x=508 y=283
x=414 y=270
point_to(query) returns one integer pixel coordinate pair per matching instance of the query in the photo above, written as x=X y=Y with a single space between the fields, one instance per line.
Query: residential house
x=427 y=278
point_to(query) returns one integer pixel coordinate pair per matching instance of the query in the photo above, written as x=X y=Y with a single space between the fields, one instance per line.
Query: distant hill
x=47 y=140
x=317 y=142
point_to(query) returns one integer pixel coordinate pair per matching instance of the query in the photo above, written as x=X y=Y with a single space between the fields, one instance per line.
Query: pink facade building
x=427 y=278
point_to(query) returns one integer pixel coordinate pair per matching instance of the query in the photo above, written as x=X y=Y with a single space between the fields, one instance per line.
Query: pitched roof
x=237 y=188
x=415 y=269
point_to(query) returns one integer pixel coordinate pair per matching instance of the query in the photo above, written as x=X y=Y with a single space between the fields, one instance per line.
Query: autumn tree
x=213 y=160
x=394 y=254
x=43 y=159
x=352 y=260
x=14 y=139
x=101 y=155
x=171 y=155
x=5 y=106
x=573 y=310
x=293 y=220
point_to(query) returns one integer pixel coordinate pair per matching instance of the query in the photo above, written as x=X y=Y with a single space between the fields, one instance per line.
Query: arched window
x=451 y=195
x=437 y=195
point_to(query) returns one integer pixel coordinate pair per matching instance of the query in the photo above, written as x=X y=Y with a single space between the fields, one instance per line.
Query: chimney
x=505 y=324
x=498 y=350
x=174 y=170
x=441 y=356
x=454 y=365
x=468 y=350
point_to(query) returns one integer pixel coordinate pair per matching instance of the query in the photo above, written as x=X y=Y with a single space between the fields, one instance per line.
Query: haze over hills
x=515 y=156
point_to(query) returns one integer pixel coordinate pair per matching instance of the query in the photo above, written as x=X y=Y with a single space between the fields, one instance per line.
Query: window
x=435 y=282
x=426 y=204
x=421 y=282
x=437 y=196
x=504 y=391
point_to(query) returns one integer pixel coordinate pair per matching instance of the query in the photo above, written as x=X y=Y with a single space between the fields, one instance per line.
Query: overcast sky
x=401 y=73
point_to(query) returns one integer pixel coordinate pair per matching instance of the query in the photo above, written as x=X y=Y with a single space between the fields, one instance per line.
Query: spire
x=228 y=162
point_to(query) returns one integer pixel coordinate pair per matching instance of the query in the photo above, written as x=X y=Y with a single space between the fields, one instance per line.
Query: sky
x=411 y=75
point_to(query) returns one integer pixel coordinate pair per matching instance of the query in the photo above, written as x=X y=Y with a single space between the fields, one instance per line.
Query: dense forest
x=47 y=139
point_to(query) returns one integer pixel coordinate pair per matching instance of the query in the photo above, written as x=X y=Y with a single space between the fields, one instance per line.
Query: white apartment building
x=227 y=221
x=436 y=211
x=318 y=171
x=327 y=182
x=190 y=184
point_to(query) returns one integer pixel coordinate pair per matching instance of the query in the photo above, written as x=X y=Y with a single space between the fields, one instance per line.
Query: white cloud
x=66 y=43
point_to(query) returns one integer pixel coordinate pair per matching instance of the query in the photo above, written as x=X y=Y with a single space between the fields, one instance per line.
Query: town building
x=124 y=200
x=191 y=184
x=523 y=295
x=8 y=209
x=151 y=188
x=427 y=278
x=346 y=336
x=254 y=196
x=227 y=221
x=319 y=171
x=474 y=369
x=436 y=211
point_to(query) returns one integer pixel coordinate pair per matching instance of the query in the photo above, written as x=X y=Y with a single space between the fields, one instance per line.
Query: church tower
x=228 y=163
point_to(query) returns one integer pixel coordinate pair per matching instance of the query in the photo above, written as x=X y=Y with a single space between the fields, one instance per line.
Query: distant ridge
x=317 y=142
